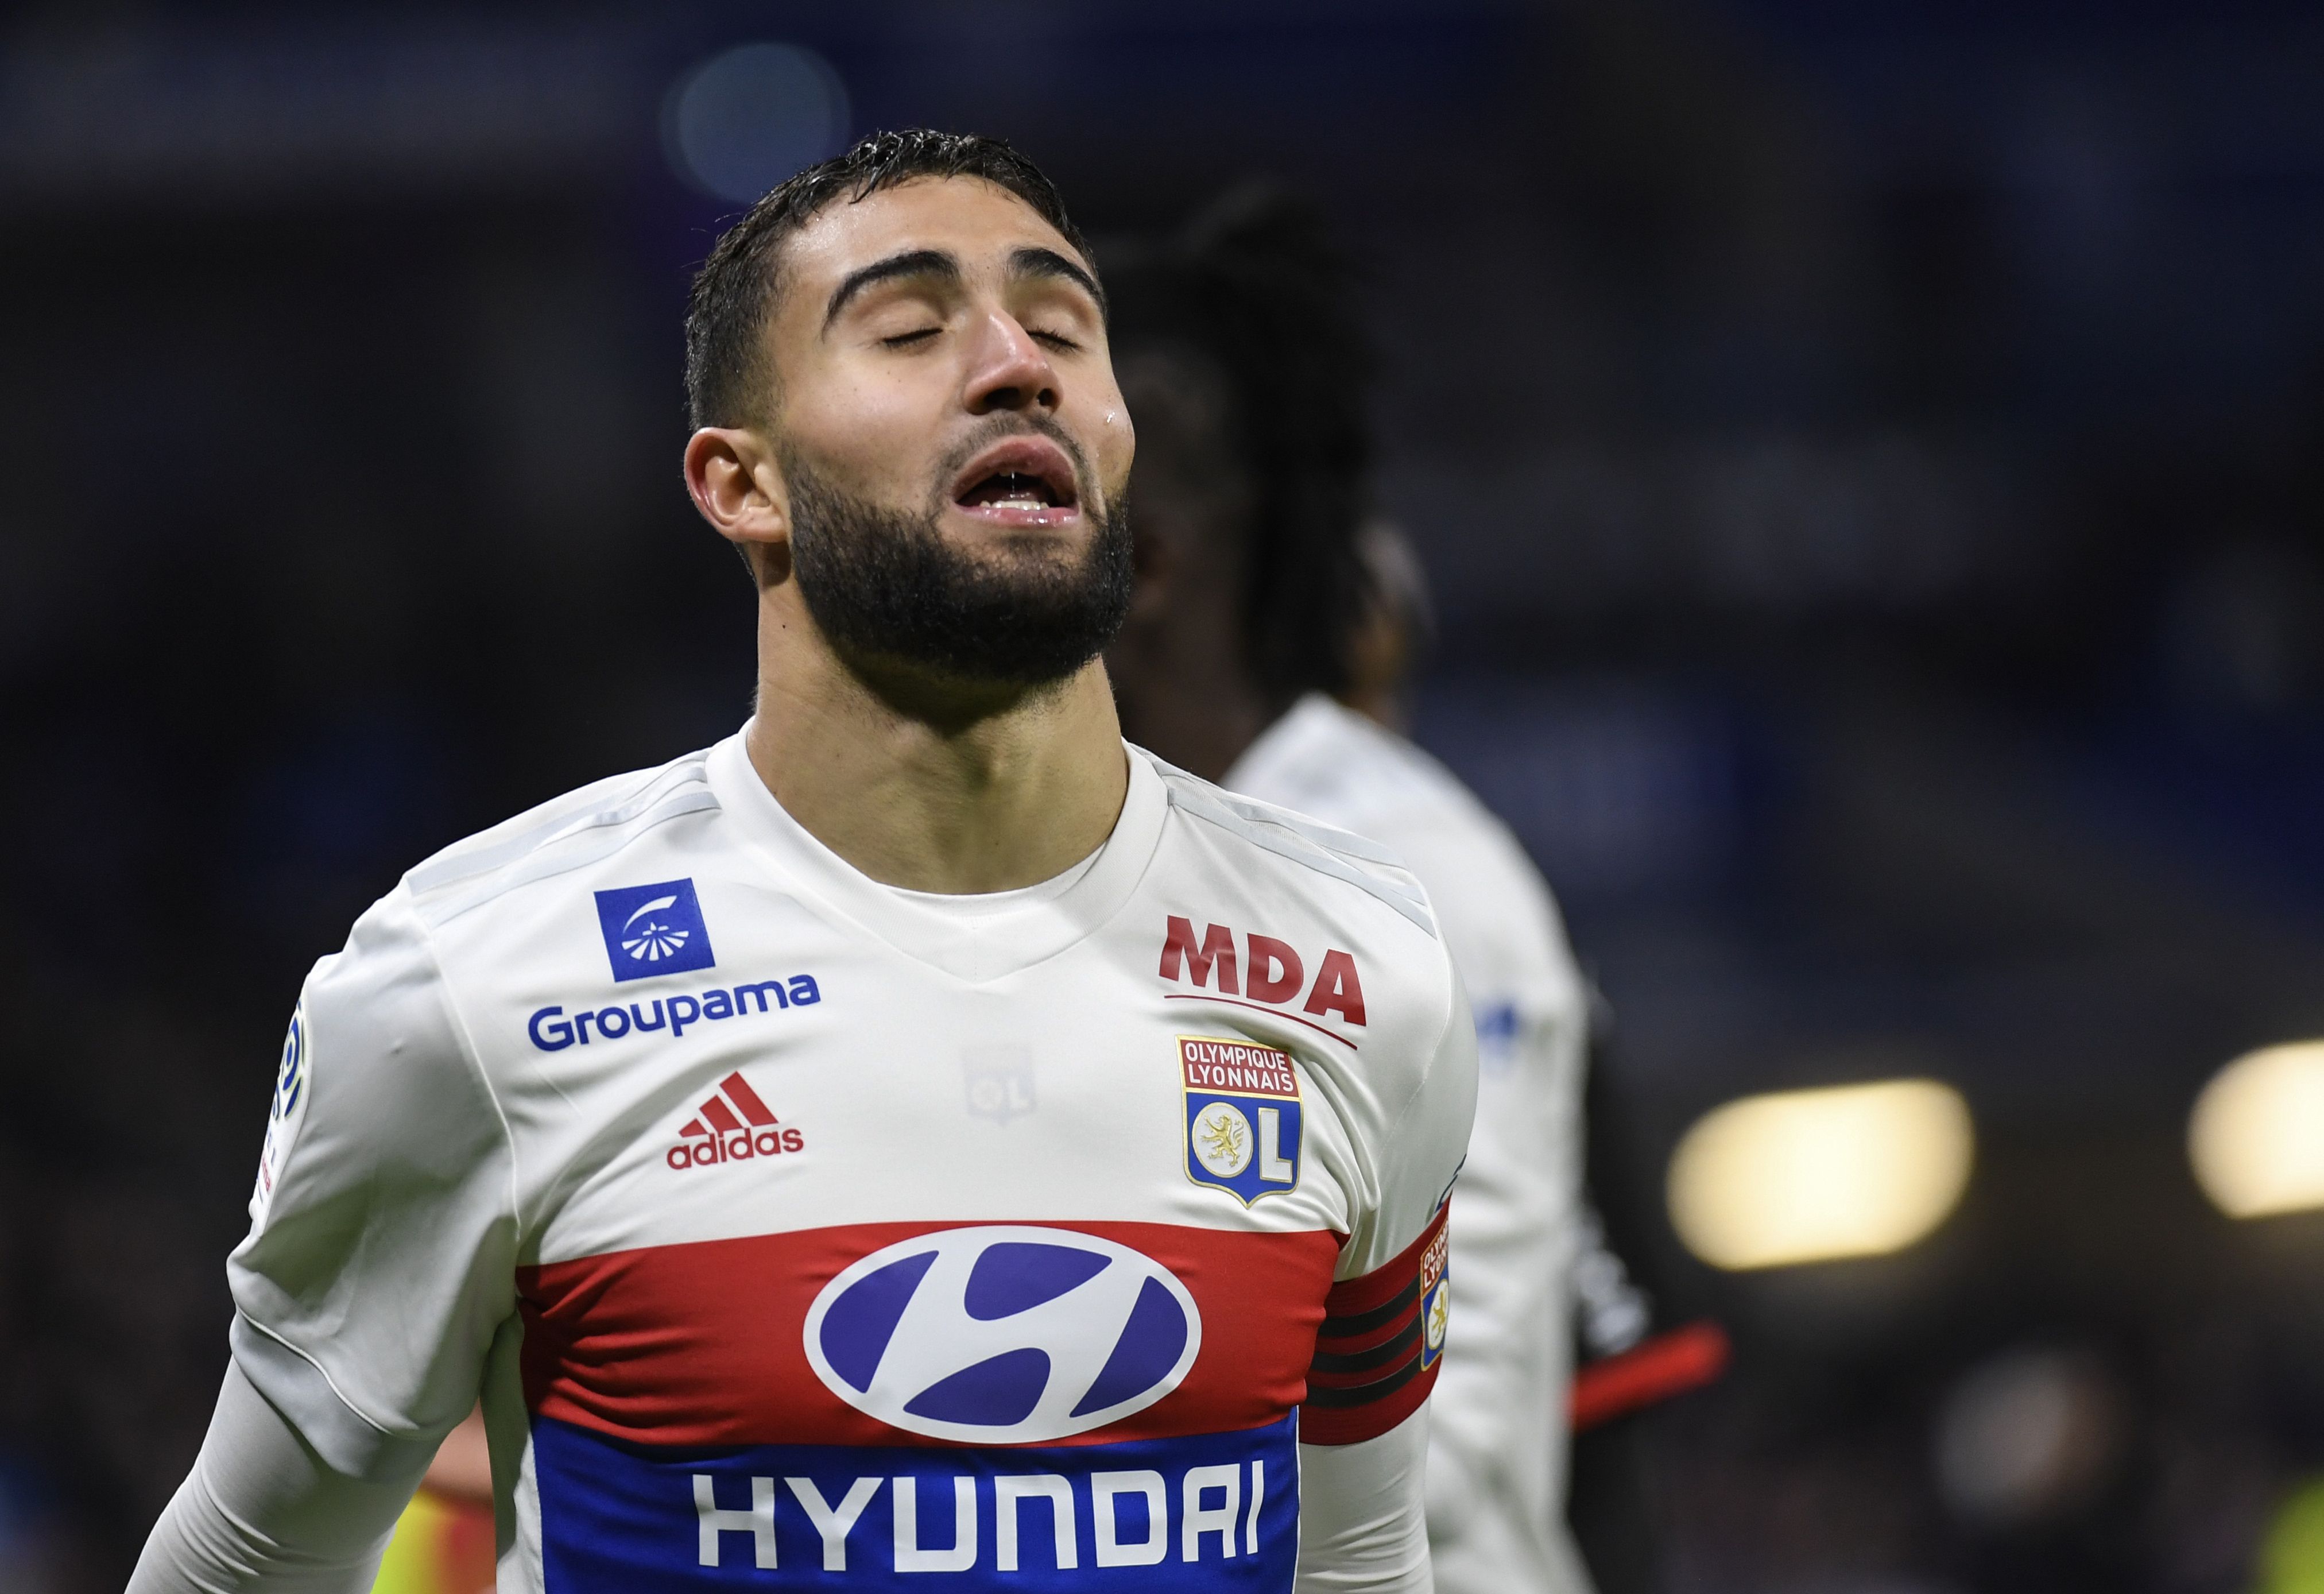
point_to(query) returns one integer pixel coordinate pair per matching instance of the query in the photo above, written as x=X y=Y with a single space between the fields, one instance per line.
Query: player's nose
x=1008 y=370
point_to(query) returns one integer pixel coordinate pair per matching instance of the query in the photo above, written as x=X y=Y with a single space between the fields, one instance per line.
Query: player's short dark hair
x=1255 y=288
x=726 y=379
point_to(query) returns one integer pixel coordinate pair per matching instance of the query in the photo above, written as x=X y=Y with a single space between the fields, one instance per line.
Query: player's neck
x=981 y=797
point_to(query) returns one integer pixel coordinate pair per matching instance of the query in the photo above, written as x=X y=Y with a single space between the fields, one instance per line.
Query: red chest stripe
x=703 y=1344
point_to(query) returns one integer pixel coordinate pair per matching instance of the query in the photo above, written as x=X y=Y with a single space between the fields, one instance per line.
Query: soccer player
x=919 y=1142
x=1265 y=592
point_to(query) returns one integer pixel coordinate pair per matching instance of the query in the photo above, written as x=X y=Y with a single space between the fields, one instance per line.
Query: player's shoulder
x=1316 y=923
x=1375 y=778
x=391 y=977
x=1498 y=915
x=1296 y=855
x=592 y=826
x=1357 y=773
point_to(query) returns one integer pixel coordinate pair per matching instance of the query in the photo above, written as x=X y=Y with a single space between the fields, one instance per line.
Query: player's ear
x=738 y=486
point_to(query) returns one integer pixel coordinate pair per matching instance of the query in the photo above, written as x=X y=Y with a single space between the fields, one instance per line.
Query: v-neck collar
x=973 y=946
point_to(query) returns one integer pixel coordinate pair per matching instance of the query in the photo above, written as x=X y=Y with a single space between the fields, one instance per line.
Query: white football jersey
x=801 y=1231
x=1497 y=1427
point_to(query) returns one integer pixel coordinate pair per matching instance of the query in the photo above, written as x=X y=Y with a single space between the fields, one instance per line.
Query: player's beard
x=887 y=591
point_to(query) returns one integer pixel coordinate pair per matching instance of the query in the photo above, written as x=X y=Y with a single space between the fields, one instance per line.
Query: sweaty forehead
x=979 y=223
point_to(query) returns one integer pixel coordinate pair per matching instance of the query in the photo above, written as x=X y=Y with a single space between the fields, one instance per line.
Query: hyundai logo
x=1003 y=1334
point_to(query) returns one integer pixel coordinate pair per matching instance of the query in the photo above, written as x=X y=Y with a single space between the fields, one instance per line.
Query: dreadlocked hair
x=1258 y=290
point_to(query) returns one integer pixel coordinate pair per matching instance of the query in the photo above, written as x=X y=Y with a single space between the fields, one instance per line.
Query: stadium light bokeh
x=1816 y=1175
x=739 y=122
x=2257 y=1135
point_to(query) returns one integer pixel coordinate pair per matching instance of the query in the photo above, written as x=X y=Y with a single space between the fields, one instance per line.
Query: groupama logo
x=1003 y=1334
x=654 y=929
x=655 y=939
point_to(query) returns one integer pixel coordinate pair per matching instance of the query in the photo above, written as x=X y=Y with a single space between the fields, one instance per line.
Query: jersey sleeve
x=1497 y=1427
x=381 y=1258
x=1362 y=1526
x=1382 y=1337
x=261 y=1513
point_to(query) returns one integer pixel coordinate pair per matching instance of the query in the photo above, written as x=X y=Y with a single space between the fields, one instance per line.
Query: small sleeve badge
x=1437 y=1301
x=284 y=1117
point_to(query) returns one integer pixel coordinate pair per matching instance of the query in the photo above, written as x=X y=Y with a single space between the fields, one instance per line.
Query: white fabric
x=1498 y=1449
x=446 y=1145
x=262 y=1510
x=984 y=905
x=1364 y=1527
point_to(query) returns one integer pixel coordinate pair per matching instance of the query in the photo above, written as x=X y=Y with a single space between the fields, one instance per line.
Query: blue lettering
x=561 y=1031
x=1201 y=1502
x=743 y=994
x=552 y=1030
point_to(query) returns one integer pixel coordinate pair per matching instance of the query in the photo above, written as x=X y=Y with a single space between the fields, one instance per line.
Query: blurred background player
x=1271 y=606
x=443 y=1541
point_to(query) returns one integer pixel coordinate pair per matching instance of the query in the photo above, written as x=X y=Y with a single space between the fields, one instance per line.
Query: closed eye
x=1056 y=340
x=904 y=340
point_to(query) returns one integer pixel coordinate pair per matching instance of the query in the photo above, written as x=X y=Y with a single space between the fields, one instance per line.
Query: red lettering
x=1336 y=988
x=1179 y=952
x=1274 y=971
x=713 y=1149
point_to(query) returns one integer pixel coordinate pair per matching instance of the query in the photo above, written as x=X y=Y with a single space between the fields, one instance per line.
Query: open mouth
x=1025 y=480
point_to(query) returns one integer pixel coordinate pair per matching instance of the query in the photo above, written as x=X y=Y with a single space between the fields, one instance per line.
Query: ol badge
x=1435 y=1301
x=1242 y=1117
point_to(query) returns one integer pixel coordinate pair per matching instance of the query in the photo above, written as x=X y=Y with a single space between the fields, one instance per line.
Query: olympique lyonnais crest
x=1242 y=1117
x=1435 y=1301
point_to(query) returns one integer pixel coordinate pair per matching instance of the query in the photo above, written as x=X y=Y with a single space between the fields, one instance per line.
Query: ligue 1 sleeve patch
x=1243 y=1120
x=285 y=1115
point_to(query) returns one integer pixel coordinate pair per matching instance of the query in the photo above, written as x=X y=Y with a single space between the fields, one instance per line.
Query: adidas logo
x=735 y=1126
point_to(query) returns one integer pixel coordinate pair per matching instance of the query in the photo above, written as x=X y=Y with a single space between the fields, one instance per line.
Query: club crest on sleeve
x=1243 y=1118
x=655 y=930
x=1435 y=1301
x=284 y=1118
